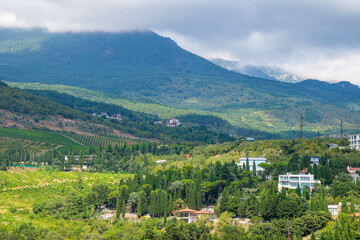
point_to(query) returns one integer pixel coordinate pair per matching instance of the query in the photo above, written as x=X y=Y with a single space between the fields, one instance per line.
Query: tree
x=133 y=201
x=179 y=204
x=118 y=208
x=298 y=190
x=79 y=181
x=254 y=168
x=142 y=204
x=123 y=209
x=247 y=164
x=171 y=203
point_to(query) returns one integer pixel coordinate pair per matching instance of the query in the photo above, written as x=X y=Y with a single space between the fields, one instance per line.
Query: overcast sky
x=312 y=38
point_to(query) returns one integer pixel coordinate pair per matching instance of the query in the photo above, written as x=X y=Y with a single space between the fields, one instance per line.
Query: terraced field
x=96 y=141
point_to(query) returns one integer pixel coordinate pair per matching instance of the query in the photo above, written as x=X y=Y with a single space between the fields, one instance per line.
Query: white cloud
x=315 y=38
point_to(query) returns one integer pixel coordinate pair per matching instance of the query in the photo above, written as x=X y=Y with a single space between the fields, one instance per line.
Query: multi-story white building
x=257 y=160
x=355 y=141
x=293 y=180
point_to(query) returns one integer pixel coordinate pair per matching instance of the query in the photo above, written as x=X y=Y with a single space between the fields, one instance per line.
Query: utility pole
x=301 y=125
x=341 y=135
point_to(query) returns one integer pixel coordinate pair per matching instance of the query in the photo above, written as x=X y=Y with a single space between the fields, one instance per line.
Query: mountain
x=145 y=68
x=271 y=73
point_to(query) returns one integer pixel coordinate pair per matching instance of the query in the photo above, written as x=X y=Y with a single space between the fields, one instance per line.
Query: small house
x=189 y=215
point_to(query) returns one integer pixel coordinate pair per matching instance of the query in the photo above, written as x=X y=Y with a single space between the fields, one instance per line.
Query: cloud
x=314 y=38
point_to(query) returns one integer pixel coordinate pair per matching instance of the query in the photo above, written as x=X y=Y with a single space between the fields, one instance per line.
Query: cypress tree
x=171 y=204
x=165 y=219
x=254 y=168
x=247 y=164
x=118 y=208
x=344 y=207
x=313 y=206
x=123 y=209
x=298 y=190
x=315 y=171
x=142 y=204
x=152 y=203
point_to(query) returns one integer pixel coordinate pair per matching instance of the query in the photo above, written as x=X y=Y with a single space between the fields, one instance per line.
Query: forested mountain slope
x=146 y=66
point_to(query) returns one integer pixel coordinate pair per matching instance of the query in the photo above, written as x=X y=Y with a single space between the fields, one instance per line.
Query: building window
x=294 y=179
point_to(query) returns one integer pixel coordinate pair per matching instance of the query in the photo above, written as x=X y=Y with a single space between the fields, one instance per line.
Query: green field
x=96 y=141
x=36 y=135
x=20 y=190
x=7 y=143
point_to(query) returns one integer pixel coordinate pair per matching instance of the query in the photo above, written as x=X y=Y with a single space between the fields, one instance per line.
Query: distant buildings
x=161 y=161
x=171 y=123
x=116 y=116
x=332 y=145
x=355 y=141
x=352 y=170
x=294 y=180
x=257 y=160
x=314 y=160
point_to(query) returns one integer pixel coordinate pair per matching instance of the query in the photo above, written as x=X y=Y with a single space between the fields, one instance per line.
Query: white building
x=257 y=160
x=173 y=122
x=355 y=141
x=293 y=180
x=334 y=209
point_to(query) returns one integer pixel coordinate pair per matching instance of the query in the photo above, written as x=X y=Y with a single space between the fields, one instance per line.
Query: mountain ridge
x=144 y=65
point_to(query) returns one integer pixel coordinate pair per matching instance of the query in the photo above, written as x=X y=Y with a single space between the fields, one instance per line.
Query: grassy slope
x=20 y=190
x=36 y=135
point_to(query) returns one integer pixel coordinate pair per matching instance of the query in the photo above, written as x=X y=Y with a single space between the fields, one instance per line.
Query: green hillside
x=245 y=120
x=146 y=68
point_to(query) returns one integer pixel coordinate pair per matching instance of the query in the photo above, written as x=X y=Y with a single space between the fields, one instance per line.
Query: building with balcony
x=294 y=180
x=355 y=141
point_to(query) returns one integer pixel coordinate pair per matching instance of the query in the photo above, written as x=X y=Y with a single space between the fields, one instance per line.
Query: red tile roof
x=186 y=210
x=201 y=212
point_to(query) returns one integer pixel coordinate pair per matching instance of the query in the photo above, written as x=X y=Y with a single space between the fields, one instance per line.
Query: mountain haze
x=146 y=67
x=271 y=73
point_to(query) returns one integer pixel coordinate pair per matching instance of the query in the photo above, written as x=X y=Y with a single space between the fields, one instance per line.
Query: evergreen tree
x=142 y=204
x=118 y=208
x=352 y=204
x=152 y=203
x=254 y=168
x=313 y=205
x=123 y=209
x=165 y=219
x=171 y=204
x=315 y=171
x=344 y=207
x=298 y=190
x=247 y=164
